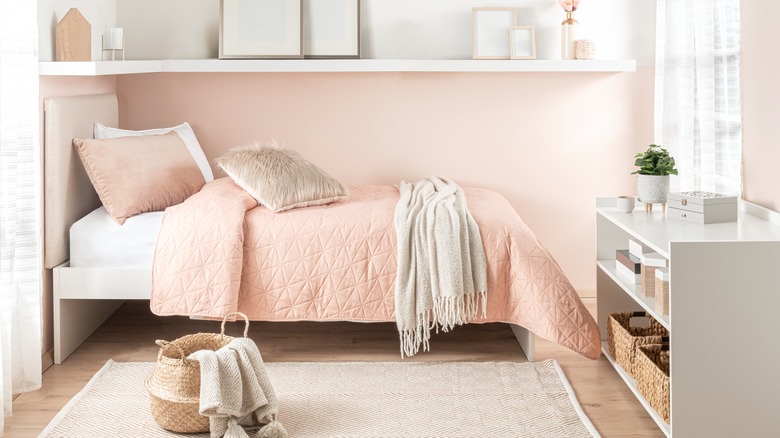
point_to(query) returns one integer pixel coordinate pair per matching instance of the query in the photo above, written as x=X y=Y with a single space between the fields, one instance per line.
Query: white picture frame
x=331 y=28
x=522 y=42
x=490 y=32
x=261 y=29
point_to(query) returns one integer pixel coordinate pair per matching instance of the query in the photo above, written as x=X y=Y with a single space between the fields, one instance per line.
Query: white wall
x=760 y=111
x=429 y=29
x=169 y=29
x=101 y=14
x=442 y=28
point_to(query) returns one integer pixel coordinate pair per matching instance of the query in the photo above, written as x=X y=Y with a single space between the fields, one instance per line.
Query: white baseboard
x=586 y=293
x=47 y=360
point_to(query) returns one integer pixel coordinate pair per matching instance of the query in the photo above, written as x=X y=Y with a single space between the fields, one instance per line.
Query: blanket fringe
x=447 y=312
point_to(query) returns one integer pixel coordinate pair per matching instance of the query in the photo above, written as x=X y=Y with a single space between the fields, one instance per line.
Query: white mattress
x=97 y=241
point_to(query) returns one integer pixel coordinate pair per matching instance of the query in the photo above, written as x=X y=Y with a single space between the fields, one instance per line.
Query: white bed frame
x=85 y=297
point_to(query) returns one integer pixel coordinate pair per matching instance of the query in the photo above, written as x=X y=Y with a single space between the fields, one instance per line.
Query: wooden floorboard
x=130 y=333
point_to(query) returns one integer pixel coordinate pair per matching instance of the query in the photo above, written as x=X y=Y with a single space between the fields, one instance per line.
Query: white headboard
x=68 y=193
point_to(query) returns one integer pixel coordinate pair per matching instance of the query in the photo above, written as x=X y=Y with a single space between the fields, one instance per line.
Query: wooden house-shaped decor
x=74 y=37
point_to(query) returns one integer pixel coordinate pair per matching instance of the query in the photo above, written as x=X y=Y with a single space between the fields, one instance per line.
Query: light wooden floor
x=129 y=336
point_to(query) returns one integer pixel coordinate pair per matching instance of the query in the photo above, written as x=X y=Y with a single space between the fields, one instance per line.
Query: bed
x=85 y=295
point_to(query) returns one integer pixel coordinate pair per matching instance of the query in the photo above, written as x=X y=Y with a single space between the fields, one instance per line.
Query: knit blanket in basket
x=235 y=390
x=441 y=279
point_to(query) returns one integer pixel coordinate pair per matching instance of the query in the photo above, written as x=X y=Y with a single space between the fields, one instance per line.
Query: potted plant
x=655 y=165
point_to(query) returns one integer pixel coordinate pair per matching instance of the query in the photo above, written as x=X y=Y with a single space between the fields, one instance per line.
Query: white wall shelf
x=395 y=65
x=99 y=68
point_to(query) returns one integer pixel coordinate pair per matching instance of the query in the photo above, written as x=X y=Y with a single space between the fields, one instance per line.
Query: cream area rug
x=390 y=399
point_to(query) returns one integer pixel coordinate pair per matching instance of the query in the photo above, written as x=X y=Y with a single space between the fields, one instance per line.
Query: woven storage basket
x=174 y=385
x=652 y=377
x=624 y=339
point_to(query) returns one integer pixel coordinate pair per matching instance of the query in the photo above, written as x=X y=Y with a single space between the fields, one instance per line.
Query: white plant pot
x=652 y=189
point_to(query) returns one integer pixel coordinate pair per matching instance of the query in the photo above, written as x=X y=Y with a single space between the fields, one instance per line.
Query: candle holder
x=113 y=41
x=586 y=49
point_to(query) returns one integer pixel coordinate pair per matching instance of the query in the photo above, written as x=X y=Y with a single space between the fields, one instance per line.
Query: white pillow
x=184 y=130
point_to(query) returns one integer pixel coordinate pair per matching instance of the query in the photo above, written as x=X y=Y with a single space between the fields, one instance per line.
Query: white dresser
x=725 y=309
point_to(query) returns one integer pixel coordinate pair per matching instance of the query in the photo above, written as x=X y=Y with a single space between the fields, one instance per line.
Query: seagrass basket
x=652 y=377
x=623 y=338
x=174 y=384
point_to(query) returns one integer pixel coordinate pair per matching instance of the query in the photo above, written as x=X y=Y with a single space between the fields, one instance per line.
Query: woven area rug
x=392 y=399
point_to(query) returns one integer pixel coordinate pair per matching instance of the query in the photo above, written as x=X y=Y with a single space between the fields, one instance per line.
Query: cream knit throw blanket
x=235 y=390
x=441 y=279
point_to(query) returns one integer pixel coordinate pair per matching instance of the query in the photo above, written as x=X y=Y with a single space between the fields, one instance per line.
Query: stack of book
x=629 y=266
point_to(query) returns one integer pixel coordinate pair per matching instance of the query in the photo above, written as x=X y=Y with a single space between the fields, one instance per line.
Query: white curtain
x=697 y=92
x=20 y=203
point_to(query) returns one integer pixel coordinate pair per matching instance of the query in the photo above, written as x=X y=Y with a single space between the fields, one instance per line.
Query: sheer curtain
x=20 y=240
x=698 y=110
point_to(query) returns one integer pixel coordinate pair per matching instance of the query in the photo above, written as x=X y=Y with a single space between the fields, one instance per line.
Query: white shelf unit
x=98 y=68
x=724 y=296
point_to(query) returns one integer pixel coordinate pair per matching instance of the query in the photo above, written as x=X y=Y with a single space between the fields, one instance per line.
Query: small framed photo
x=490 y=36
x=331 y=28
x=260 y=29
x=522 y=42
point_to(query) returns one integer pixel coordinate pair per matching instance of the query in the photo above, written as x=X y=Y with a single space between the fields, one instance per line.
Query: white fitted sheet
x=96 y=240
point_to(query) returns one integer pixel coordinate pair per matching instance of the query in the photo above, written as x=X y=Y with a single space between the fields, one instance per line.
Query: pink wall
x=51 y=86
x=549 y=142
x=760 y=107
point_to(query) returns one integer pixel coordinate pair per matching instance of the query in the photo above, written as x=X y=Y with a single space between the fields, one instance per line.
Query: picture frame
x=331 y=29
x=522 y=42
x=261 y=29
x=490 y=36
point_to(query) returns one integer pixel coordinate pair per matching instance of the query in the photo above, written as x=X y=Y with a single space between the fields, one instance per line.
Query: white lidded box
x=701 y=207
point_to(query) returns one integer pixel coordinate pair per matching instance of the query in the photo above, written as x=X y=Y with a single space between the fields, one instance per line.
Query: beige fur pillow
x=134 y=175
x=280 y=179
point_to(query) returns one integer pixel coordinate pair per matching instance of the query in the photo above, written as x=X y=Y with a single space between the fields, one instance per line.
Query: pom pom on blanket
x=234 y=430
x=274 y=429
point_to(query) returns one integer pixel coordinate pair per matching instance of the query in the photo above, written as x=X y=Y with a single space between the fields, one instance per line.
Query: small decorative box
x=650 y=262
x=662 y=291
x=701 y=207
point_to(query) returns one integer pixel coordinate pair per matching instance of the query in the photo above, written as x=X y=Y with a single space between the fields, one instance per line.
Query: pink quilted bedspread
x=218 y=252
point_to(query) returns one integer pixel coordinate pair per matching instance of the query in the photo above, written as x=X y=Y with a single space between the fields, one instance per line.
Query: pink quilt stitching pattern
x=338 y=262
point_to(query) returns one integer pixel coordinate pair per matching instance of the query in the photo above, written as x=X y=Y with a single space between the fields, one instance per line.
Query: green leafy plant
x=655 y=161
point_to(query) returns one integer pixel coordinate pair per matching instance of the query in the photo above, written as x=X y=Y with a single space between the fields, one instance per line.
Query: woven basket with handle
x=624 y=338
x=652 y=377
x=174 y=384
